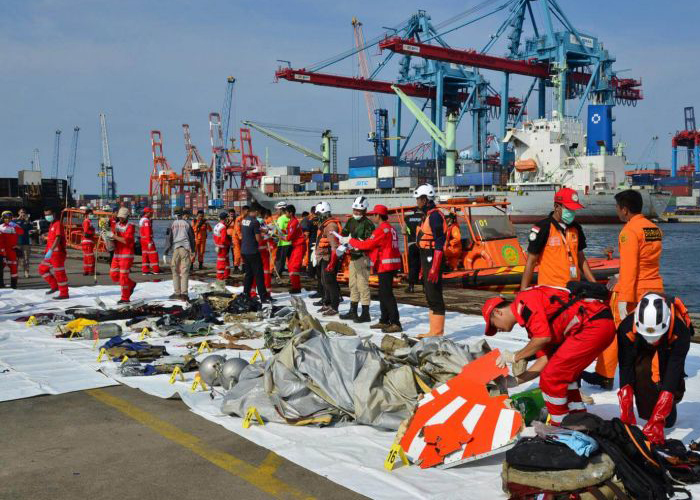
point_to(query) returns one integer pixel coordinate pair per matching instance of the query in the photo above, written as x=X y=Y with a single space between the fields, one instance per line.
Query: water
x=680 y=278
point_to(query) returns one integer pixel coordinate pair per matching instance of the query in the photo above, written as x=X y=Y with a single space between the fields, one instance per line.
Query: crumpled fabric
x=581 y=443
x=440 y=358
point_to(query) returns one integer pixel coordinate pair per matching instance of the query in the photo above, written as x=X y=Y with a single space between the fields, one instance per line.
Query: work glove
x=654 y=428
x=109 y=235
x=344 y=240
x=626 y=397
x=506 y=357
x=622 y=310
x=48 y=255
x=435 y=269
x=332 y=263
x=165 y=259
x=612 y=282
x=340 y=251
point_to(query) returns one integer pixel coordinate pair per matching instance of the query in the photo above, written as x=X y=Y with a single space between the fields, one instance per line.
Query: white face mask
x=356 y=217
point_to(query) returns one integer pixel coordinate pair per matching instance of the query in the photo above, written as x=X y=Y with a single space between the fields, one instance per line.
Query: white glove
x=622 y=310
x=506 y=357
x=340 y=251
x=313 y=256
x=165 y=259
x=612 y=282
x=109 y=235
x=344 y=240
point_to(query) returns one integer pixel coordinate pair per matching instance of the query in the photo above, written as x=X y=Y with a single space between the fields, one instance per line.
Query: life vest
x=559 y=258
x=426 y=240
x=322 y=241
x=220 y=236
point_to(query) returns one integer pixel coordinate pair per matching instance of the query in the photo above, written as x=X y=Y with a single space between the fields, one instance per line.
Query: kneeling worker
x=657 y=327
x=570 y=333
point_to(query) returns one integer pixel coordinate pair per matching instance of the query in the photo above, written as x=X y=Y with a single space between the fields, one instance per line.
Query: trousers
x=222 y=262
x=149 y=257
x=387 y=302
x=11 y=261
x=281 y=258
x=558 y=380
x=331 y=289
x=296 y=258
x=254 y=272
x=413 y=264
x=88 y=256
x=265 y=259
x=237 y=253
x=180 y=267
x=26 y=253
x=433 y=291
x=53 y=271
x=359 y=280
x=119 y=273
x=200 y=248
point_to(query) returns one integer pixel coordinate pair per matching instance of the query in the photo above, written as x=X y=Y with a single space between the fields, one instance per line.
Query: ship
x=549 y=153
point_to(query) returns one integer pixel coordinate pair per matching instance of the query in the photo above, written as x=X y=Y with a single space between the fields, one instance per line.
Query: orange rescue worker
x=295 y=235
x=556 y=244
x=453 y=246
x=201 y=228
x=329 y=260
x=10 y=232
x=640 y=243
x=88 y=244
x=123 y=236
x=237 y=237
x=222 y=242
x=264 y=246
x=149 y=253
x=271 y=222
x=53 y=267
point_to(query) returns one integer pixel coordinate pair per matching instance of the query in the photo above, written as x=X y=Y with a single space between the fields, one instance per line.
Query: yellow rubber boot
x=437 y=326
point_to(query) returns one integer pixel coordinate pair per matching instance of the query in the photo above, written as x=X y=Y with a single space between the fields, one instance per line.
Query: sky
x=156 y=64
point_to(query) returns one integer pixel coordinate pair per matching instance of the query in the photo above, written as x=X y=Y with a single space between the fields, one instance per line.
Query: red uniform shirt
x=56 y=233
x=88 y=230
x=294 y=232
x=126 y=231
x=9 y=234
x=383 y=246
x=221 y=236
x=145 y=229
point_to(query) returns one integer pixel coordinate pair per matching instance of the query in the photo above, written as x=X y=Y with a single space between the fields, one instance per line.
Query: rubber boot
x=352 y=313
x=437 y=326
x=364 y=317
x=410 y=288
x=13 y=283
x=201 y=265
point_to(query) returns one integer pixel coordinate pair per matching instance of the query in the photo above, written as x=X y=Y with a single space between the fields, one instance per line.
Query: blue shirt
x=26 y=226
x=249 y=228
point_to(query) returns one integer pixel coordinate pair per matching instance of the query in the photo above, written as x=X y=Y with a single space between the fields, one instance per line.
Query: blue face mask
x=567 y=216
x=49 y=218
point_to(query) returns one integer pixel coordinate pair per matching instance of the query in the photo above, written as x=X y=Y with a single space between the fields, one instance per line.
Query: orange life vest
x=558 y=262
x=426 y=239
x=322 y=241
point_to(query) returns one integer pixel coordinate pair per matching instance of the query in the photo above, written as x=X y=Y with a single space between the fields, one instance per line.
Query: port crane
x=689 y=139
x=327 y=152
x=56 y=150
x=73 y=161
x=195 y=169
x=36 y=164
x=109 y=187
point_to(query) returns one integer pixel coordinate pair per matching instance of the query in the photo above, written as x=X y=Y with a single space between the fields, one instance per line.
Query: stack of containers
x=677 y=186
x=364 y=171
x=270 y=184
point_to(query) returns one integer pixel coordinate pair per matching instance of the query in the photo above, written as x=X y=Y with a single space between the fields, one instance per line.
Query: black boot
x=352 y=313
x=409 y=288
x=593 y=378
x=364 y=317
x=13 y=283
x=201 y=265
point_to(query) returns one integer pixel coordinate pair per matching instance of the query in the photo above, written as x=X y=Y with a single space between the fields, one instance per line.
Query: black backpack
x=580 y=290
x=536 y=453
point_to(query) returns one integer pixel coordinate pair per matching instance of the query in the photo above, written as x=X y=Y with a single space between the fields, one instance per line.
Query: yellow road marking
x=261 y=477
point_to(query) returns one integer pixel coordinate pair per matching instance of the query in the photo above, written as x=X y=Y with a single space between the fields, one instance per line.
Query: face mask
x=356 y=217
x=49 y=218
x=567 y=216
x=260 y=220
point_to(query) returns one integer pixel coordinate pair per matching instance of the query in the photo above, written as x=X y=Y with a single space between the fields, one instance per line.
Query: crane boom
x=109 y=188
x=73 y=158
x=364 y=71
x=56 y=150
x=287 y=142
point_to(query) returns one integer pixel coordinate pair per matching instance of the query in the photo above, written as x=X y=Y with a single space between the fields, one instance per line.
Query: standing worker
x=383 y=246
x=641 y=244
x=24 y=245
x=556 y=244
x=326 y=253
x=453 y=248
x=295 y=236
x=657 y=328
x=250 y=251
x=180 y=239
x=10 y=232
x=305 y=224
x=265 y=247
x=236 y=238
x=123 y=236
x=201 y=228
x=431 y=242
x=565 y=332
x=412 y=222
x=308 y=225
x=283 y=246
x=88 y=244
x=358 y=227
x=222 y=242
x=149 y=253
x=53 y=267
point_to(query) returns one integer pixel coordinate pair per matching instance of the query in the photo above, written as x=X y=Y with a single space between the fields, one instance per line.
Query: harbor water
x=680 y=277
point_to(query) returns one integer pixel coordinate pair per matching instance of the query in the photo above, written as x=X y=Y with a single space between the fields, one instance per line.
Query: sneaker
x=185 y=297
x=318 y=303
x=410 y=289
x=330 y=312
x=324 y=309
x=392 y=329
x=52 y=290
x=315 y=295
x=593 y=378
x=379 y=326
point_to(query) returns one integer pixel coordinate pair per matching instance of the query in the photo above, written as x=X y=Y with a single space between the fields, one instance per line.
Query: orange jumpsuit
x=453 y=248
x=640 y=243
x=272 y=221
x=236 y=237
x=200 y=238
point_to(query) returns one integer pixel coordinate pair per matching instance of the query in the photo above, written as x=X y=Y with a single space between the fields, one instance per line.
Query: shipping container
x=386 y=172
x=271 y=188
x=678 y=190
x=287 y=170
x=362 y=172
x=270 y=179
x=344 y=185
x=405 y=182
x=362 y=161
x=310 y=186
x=686 y=201
x=674 y=181
x=363 y=183
x=386 y=182
x=447 y=181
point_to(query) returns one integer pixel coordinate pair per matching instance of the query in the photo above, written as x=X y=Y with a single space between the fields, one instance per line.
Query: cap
x=148 y=210
x=379 y=210
x=7 y=213
x=123 y=213
x=487 y=309
x=569 y=198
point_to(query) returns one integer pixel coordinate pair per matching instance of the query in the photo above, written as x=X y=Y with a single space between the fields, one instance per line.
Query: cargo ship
x=549 y=153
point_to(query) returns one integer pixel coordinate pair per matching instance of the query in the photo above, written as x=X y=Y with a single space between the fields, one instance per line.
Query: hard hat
x=210 y=369
x=281 y=205
x=360 y=203
x=148 y=210
x=231 y=370
x=6 y=213
x=424 y=190
x=123 y=213
x=652 y=317
x=568 y=198
x=379 y=210
x=323 y=208
x=487 y=310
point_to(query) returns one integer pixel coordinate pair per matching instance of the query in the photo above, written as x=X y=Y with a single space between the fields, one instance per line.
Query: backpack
x=580 y=290
x=538 y=453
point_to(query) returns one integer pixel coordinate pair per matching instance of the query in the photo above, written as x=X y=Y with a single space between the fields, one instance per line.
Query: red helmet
x=569 y=198
x=487 y=309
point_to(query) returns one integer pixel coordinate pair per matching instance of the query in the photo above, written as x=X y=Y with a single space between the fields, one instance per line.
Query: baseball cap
x=487 y=309
x=379 y=210
x=569 y=198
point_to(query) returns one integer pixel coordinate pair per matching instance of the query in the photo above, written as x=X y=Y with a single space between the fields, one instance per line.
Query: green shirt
x=282 y=223
x=359 y=229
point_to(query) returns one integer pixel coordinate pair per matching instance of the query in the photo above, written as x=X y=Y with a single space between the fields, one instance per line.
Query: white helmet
x=323 y=207
x=360 y=203
x=424 y=190
x=652 y=317
x=281 y=205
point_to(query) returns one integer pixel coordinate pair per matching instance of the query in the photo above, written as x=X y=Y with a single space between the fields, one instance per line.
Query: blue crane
x=226 y=110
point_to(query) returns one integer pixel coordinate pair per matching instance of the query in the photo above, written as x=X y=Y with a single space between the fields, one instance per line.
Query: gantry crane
x=689 y=139
x=226 y=110
x=328 y=144
x=163 y=179
x=36 y=164
x=195 y=168
x=109 y=187
x=56 y=154
x=73 y=161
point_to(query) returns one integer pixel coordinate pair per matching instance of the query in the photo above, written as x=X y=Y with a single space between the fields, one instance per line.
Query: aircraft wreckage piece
x=459 y=422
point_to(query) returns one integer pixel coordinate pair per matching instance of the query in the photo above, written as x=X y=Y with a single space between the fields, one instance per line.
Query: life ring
x=469 y=260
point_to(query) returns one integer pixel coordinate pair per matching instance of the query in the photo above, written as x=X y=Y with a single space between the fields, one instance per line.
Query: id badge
x=573 y=271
